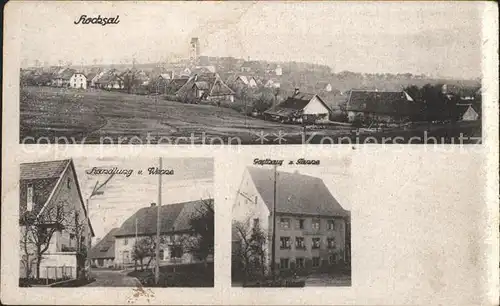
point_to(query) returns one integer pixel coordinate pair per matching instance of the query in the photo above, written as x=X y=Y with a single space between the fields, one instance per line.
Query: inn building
x=175 y=233
x=312 y=229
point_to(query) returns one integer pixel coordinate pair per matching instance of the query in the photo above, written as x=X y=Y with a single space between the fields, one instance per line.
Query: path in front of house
x=327 y=280
x=112 y=278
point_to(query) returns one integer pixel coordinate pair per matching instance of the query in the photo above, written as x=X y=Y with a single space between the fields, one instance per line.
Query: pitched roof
x=295 y=193
x=48 y=175
x=43 y=170
x=215 y=86
x=463 y=108
x=175 y=84
x=174 y=217
x=294 y=103
x=106 y=247
x=382 y=102
x=66 y=74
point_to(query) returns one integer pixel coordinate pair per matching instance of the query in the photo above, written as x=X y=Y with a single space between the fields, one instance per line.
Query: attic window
x=29 y=197
x=68 y=183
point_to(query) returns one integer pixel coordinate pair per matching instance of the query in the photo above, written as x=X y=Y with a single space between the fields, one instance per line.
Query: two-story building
x=310 y=225
x=78 y=80
x=53 y=222
x=175 y=233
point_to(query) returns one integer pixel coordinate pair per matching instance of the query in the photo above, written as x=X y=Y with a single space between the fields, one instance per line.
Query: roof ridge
x=49 y=161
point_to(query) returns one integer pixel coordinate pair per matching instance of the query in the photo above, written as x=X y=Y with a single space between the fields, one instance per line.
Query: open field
x=63 y=115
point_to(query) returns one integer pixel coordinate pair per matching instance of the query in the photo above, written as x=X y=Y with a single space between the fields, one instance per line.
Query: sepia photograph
x=117 y=223
x=251 y=73
x=288 y=228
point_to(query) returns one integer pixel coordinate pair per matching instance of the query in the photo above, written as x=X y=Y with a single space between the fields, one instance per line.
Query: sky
x=437 y=39
x=335 y=171
x=123 y=196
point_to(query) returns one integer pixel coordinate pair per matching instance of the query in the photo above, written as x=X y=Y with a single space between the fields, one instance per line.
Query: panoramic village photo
x=289 y=229
x=251 y=73
x=116 y=223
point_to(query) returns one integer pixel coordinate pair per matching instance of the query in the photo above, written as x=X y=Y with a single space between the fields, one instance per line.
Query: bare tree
x=251 y=252
x=37 y=233
x=143 y=248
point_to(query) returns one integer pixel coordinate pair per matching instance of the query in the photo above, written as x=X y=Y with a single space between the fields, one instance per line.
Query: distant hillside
x=308 y=77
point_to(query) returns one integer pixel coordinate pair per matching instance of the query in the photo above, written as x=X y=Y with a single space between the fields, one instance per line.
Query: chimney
x=296 y=92
x=153 y=204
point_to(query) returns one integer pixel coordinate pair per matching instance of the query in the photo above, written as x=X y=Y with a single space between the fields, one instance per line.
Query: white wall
x=315 y=107
x=78 y=80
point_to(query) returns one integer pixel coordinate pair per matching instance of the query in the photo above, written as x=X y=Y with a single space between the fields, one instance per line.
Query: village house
x=272 y=83
x=78 y=80
x=242 y=81
x=52 y=217
x=63 y=77
x=380 y=106
x=173 y=86
x=93 y=76
x=110 y=80
x=206 y=87
x=278 y=71
x=300 y=107
x=468 y=112
x=312 y=228
x=103 y=253
x=175 y=233
x=252 y=66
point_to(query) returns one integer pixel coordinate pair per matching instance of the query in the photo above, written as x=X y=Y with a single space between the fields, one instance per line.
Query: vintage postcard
x=250 y=153
x=250 y=73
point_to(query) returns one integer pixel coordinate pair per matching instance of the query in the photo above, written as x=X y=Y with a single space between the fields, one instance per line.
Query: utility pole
x=135 y=244
x=158 y=224
x=273 y=238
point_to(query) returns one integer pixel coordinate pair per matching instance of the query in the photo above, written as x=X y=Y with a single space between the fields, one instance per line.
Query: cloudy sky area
x=442 y=38
x=123 y=196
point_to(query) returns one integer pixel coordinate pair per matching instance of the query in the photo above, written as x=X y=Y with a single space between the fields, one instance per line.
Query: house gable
x=249 y=203
x=316 y=106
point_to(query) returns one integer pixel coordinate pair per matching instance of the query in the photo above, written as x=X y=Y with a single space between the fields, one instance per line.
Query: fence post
x=46 y=275
x=55 y=275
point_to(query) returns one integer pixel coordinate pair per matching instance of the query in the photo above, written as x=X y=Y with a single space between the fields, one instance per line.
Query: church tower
x=194 y=51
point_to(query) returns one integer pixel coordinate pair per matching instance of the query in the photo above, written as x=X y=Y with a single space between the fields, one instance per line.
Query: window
x=125 y=241
x=300 y=224
x=299 y=262
x=315 y=243
x=162 y=254
x=284 y=263
x=285 y=223
x=331 y=225
x=256 y=223
x=332 y=259
x=176 y=251
x=284 y=242
x=255 y=200
x=315 y=262
x=331 y=243
x=315 y=224
x=68 y=183
x=29 y=197
x=299 y=243
x=126 y=257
